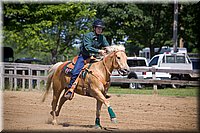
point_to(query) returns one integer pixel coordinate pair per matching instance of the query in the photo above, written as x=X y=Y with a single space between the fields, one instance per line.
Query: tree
x=158 y=27
x=145 y=25
x=120 y=19
x=189 y=20
x=54 y=28
x=50 y=28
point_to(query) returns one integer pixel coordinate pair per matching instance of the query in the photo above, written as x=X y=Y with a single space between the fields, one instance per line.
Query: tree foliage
x=54 y=28
x=49 y=28
x=189 y=28
x=145 y=25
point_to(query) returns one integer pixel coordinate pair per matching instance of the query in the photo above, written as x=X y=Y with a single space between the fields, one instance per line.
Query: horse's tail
x=49 y=78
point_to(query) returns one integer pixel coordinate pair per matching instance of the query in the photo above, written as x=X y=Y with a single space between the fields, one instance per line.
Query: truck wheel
x=133 y=86
x=175 y=85
x=133 y=75
x=130 y=85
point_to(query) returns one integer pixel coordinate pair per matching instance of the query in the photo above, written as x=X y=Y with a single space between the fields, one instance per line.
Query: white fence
x=156 y=82
x=171 y=71
x=33 y=76
x=22 y=75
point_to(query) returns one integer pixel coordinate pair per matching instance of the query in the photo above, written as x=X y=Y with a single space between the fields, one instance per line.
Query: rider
x=91 y=45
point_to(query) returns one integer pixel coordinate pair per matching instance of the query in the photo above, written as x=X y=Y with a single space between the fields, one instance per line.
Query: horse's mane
x=114 y=48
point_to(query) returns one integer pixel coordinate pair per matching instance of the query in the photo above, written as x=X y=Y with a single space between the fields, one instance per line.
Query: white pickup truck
x=133 y=62
x=179 y=61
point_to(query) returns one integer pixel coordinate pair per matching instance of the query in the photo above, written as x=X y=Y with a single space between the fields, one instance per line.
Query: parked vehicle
x=195 y=64
x=196 y=68
x=8 y=54
x=28 y=60
x=145 y=52
x=132 y=62
x=171 y=61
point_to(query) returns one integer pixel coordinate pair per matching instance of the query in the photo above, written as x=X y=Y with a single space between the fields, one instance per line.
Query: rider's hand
x=102 y=52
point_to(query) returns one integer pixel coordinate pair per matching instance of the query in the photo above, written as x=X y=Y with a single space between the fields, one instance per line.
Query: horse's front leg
x=98 y=111
x=62 y=101
x=101 y=98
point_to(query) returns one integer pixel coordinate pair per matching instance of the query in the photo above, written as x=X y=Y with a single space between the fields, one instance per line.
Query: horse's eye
x=118 y=57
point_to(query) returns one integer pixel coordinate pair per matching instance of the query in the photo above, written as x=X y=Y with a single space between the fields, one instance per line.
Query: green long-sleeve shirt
x=92 y=43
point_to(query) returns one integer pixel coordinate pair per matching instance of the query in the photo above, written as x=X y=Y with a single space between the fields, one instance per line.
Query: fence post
x=15 y=79
x=30 y=79
x=38 y=80
x=46 y=74
x=10 y=80
x=23 y=80
x=155 y=91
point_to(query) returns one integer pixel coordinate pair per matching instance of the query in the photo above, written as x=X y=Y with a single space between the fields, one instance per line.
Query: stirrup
x=69 y=95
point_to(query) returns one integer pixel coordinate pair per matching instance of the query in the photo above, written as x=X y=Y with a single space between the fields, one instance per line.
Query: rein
x=106 y=67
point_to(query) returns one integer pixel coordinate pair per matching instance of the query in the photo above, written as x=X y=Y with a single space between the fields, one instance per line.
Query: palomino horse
x=95 y=84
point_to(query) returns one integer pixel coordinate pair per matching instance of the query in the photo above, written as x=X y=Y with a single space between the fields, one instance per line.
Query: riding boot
x=69 y=94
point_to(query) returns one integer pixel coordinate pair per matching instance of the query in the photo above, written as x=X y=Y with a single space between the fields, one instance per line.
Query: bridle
x=104 y=59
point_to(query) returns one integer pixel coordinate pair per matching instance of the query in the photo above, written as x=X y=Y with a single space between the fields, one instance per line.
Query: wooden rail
x=23 y=75
x=156 y=82
x=166 y=70
x=30 y=76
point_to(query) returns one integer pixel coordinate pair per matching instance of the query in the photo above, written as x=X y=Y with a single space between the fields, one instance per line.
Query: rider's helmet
x=98 y=23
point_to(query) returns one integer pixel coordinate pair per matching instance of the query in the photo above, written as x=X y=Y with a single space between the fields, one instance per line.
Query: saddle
x=68 y=66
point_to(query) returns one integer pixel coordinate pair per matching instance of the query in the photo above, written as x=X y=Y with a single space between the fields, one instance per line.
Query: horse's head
x=119 y=58
x=120 y=62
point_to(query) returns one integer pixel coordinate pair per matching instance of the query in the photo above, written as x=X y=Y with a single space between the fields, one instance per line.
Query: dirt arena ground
x=24 y=111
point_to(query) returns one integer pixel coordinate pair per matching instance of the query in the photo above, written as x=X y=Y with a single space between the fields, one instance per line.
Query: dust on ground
x=24 y=111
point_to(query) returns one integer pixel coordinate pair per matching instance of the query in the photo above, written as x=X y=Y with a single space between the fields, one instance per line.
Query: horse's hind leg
x=56 y=95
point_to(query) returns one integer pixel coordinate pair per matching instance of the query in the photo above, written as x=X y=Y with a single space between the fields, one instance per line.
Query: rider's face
x=98 y=30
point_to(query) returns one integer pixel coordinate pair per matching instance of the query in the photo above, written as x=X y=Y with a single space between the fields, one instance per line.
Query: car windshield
x=135 y=63
x=154 y=61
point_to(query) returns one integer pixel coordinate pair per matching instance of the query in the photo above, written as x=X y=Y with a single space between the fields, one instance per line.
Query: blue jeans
x=77 y=68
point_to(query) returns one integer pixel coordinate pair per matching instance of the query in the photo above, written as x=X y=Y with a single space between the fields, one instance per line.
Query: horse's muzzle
x=123 y=72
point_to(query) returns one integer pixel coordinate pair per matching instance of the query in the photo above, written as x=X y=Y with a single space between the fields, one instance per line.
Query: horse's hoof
x=54 y=122
x=114 y=120
x=98 y=127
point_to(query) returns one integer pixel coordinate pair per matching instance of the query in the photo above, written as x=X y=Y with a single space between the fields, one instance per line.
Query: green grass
x=179 y=92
